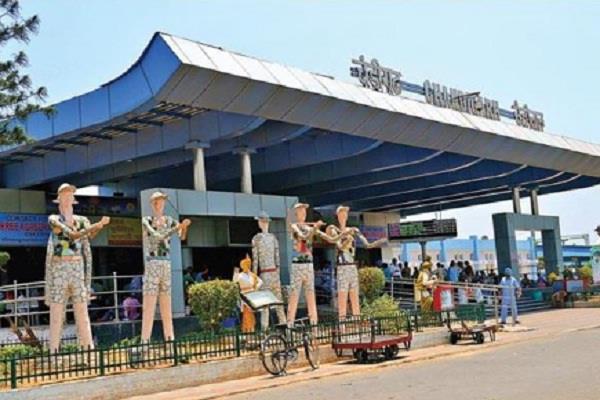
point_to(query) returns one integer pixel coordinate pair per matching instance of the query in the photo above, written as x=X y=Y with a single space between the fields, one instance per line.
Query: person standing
x=511 y=291
x=265 y=263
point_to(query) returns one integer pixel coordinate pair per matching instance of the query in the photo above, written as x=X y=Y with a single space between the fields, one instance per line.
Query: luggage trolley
x=370 y=338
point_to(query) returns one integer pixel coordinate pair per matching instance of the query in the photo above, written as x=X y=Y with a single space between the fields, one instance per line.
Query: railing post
x=13 y=373
x=496 y=292
x=175 y=353
x=238 y=350
x=116 y=296
x=101 y=361
x=392 y=288
x=15 y=302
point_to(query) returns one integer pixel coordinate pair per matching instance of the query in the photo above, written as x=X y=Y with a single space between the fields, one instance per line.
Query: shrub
x=585 y=272
x=381 y=307
x=372 y=282
x=4 y=258
x=214 y=301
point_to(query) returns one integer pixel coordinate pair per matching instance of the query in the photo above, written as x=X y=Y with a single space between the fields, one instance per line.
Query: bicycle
x=280 y=347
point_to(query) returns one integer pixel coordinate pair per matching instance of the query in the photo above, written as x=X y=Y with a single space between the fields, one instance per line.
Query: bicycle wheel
x=274 y=354
x=311 y=350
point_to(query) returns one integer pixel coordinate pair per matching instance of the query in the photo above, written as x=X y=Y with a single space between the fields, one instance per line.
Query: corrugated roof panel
x=335 y=88
x=309 y=81
x=193 y=53
x=358 y=93
x=284 y=76
x=224 y=61
x=256 y=69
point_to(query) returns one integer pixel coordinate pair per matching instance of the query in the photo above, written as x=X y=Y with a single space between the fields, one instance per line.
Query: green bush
x=4 y=258
x=585 y=272
x=381 y=307
x=15 y=350
x=214 y=301
x=372 y=282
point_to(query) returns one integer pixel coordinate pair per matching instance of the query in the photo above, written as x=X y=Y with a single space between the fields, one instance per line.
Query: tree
x=18 y=97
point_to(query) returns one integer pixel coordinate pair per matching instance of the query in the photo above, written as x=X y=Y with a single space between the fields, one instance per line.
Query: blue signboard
x=23 y=229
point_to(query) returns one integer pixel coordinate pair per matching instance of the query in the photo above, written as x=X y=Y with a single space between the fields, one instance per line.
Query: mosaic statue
x=69 y=267
x=248 y=282
x=344 y=238
x=157 y=232
x=424 y=285
x=265 y=263
x=302 y=270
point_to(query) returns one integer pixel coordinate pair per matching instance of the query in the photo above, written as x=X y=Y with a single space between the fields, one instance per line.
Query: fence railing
x=31 y=366
x=26 y=300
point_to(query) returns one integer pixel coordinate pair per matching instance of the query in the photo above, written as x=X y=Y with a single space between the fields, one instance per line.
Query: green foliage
x=585 y=272
x=381 y=307
x=372 y=282
x=17 y=96
x=214 y=301
x=4 y=258
x=132 y=341
x=17 y=350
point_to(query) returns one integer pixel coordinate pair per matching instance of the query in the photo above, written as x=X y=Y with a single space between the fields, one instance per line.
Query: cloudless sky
x=543 y=53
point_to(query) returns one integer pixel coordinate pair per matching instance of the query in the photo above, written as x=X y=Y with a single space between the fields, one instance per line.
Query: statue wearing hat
x=265 y=263
x=424 y=285
x=302 y=270
x=248 y=282
x=157 y=231
x=344 y=238
x=69 y=267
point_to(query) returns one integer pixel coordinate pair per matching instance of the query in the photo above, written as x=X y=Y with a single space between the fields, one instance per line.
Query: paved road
x=555 y=368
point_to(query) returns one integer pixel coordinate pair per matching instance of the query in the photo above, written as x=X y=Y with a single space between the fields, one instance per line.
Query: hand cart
x=371 y=338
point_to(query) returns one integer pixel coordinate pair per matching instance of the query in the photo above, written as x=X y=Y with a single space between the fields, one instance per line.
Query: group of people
x=459 y=272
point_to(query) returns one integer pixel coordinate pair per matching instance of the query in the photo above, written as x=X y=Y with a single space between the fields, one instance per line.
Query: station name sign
x=373 y=76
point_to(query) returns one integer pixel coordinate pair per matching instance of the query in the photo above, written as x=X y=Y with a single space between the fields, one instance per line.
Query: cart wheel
x=453 y=337
x=362 y=356
x=479 y=338
x=390 y=352
x=274 y=354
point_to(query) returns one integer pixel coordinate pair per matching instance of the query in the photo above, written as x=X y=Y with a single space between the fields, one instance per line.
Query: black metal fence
x=28 y=366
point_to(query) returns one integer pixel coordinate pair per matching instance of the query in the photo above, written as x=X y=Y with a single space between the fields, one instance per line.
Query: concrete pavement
x=542 y=327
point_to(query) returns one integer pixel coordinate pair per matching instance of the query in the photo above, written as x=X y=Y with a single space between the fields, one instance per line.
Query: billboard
x=23 y=229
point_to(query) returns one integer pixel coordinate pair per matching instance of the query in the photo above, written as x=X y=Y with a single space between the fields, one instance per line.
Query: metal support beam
x=535 y=208
x=143 y=121
x=516 y=198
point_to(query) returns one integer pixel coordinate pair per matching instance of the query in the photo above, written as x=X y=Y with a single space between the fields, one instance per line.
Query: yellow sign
x=124 y=232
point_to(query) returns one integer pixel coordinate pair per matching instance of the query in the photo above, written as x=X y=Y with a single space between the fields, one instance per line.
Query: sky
x=543 y=53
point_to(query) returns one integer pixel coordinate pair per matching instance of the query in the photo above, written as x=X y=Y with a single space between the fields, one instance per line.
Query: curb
x=394 y=363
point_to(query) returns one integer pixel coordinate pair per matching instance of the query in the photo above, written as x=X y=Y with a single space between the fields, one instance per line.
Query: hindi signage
x=373 y=75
